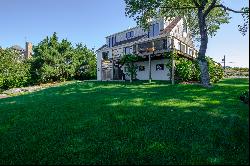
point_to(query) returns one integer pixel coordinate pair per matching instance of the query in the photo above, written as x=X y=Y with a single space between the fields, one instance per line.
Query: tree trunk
x=205 y=79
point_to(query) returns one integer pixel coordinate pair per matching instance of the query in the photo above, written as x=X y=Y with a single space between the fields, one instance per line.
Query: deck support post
x=149 y=63
x=173 y=66
x=172 y=61
x=112 y=73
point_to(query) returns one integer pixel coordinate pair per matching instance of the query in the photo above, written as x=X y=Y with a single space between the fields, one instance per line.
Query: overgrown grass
x=123 y=123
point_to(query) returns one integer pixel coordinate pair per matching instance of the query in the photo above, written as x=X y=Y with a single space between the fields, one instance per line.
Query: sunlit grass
x=123 y=123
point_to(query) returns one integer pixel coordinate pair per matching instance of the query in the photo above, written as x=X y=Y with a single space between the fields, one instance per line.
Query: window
x=182 y=47
x=130 y=34
x=184 y=26
x=141 y=68
x=112 y=41
x=127 y=50
x=105 y=55
x=154 y=30
x=190 y=52
x=159 y=67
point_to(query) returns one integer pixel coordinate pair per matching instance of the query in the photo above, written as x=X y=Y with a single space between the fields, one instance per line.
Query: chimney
x=28 y=51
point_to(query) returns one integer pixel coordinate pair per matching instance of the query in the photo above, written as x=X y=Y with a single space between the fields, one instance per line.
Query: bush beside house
x=188 y=70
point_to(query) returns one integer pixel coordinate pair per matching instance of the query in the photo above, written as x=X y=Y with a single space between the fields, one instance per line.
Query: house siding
x=156 y=75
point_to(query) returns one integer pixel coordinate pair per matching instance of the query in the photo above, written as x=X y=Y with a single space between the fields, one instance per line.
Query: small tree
x=129 y=61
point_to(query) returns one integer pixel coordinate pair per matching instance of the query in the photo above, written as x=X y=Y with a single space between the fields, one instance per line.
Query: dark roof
x=129 y=40
x=105 y=45
x=17 y=47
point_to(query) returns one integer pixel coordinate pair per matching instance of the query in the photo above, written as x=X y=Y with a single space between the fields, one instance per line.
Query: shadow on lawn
x=110 y=123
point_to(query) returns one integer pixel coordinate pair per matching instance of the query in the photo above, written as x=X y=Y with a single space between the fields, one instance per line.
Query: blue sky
x=90 y=21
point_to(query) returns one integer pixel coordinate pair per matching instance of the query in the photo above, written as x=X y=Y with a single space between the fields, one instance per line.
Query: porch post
x=149 y=62
x=112 y=73
x=173 y=62
x=172 y=74
x=101 y=70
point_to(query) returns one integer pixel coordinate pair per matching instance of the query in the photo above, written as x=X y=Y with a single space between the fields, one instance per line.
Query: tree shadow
x=122 y=123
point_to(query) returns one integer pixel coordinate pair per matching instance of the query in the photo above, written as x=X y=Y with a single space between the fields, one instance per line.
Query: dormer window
x=112 y=41
x=130 y=34
x=154 y=30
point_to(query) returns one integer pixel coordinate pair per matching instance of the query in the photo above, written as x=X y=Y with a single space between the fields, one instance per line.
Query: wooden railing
x=164 y=45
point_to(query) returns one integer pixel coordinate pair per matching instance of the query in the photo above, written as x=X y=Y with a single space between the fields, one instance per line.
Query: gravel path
x=16 y=91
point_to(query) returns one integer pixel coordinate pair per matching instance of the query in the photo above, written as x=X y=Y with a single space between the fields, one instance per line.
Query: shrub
x=14 y=72
x=129 y=61
x=245 y=97
x=189 y=70
x=216 y=71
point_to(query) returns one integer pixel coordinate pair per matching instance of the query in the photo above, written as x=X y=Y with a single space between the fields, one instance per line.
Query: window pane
x=127 y=50
x=159 y=67
x=132 y=33
x=105 y=55
x=141 y=68
x=156 y=29
x=109 y=42
x=150 y=32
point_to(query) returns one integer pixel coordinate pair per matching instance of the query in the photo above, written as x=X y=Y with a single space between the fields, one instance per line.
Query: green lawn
x=123 y=123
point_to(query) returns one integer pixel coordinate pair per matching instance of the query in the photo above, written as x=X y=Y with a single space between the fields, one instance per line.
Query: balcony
x=162 y=45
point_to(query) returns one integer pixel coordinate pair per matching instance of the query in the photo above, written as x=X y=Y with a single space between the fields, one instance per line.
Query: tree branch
x=196 y=3
x=211 y=6
x=185 y=7
x=227 y=8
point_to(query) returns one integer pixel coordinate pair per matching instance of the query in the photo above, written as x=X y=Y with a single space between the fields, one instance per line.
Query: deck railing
x=164 y=45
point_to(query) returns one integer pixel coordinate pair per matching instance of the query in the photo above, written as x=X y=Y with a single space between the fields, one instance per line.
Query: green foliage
x=85 y=61
x=129 y=61
x=215 y=70
x=14 y=72
x=59 y=61
x=245 y=97
x=188 y=70
x=143 y=10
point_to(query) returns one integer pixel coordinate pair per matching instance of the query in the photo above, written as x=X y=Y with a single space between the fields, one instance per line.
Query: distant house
x=163 y=36
x=24 y=53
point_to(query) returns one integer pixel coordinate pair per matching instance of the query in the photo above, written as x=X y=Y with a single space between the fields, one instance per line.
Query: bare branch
x=228 y=9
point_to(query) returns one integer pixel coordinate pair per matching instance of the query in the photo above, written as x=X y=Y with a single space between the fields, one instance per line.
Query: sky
x=90 y=21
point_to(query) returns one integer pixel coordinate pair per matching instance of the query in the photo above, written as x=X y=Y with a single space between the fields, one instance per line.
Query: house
x=24 y=53
x=163 y=36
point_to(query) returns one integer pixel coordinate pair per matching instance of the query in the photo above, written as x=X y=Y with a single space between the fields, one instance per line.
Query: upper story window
x=112 y=41
x=105 y=55
x=130 y=34
x=127 y=50
x=154 y=30
x=185 y=26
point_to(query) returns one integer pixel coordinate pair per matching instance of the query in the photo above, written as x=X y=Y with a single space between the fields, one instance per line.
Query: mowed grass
x=123 y=123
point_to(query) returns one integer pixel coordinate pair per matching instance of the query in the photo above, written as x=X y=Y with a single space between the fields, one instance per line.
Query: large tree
x=203 y=18
x=55 y=60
